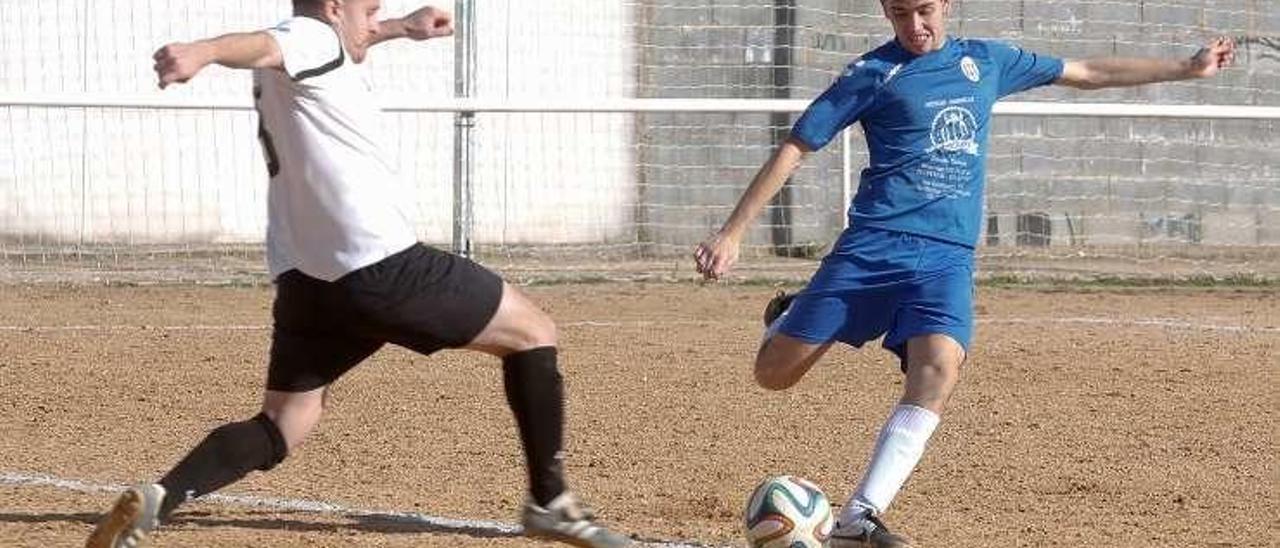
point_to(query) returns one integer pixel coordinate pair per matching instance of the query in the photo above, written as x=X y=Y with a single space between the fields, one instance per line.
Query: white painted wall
x=162 y=176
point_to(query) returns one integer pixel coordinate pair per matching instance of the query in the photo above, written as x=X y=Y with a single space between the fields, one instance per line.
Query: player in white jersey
x=349 y=271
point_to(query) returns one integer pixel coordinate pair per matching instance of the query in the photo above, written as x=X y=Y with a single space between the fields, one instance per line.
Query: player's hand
x=427 y=23
x=1215 y=56
x=178 y=63
x=716 y=256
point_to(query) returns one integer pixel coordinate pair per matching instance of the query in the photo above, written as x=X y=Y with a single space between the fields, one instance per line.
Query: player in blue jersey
x=904 y=267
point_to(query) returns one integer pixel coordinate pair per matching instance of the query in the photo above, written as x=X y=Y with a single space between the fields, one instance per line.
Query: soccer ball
x=788 y=512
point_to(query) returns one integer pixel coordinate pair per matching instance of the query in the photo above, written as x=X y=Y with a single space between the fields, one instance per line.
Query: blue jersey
x=927 y=120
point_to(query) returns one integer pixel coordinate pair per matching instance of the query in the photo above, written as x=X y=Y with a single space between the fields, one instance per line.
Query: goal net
x=610 y=137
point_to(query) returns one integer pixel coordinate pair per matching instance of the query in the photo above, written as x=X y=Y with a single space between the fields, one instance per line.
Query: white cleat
x=566 y=520
x=128 y=523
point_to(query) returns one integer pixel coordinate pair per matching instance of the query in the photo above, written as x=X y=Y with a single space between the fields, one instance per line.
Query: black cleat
x=777 y=305
x=868 y=532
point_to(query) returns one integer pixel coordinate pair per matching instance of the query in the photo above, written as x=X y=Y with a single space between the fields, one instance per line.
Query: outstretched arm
x=715 y=256
x=179 y=62
x=1106 y=72
x=423 y=24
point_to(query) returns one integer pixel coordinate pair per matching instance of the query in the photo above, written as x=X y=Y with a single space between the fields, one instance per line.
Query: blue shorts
x=878 y=282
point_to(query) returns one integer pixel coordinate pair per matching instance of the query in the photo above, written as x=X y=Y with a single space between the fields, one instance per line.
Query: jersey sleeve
x=308 y=46
x=1021 y=70
x=838 y=107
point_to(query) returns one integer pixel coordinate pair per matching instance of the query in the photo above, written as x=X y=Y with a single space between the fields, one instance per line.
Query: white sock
x=898 y=450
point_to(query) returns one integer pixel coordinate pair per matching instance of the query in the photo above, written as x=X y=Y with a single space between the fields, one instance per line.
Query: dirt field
x=1099 y=418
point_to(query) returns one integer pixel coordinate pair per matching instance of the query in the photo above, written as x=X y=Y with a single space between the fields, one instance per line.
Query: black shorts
x=421 y=298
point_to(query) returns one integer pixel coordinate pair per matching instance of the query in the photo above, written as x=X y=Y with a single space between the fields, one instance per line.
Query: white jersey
x=334 y=202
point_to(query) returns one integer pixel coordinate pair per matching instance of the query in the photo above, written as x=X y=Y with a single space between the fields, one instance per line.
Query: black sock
x=227 y=454
x=535 y=393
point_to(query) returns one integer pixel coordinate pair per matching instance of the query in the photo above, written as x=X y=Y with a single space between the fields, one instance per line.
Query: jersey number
x=268 y=148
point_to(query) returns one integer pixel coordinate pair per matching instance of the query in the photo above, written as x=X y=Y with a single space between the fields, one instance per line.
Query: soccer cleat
x=127 y=524
x=777 y=305
x=868 y=532
x=566 y=520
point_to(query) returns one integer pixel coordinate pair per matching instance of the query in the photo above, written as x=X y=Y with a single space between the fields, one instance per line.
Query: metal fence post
x=464 y=126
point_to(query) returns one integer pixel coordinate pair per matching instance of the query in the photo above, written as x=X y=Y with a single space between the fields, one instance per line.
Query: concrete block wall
x=1126 y=179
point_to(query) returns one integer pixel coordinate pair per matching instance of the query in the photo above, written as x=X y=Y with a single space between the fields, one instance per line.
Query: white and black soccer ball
x=788 y=512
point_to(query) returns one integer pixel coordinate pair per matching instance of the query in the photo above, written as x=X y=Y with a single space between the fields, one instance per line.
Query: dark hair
x=301 y=4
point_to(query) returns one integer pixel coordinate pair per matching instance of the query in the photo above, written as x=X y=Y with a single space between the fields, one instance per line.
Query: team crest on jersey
x=955 y=129
x=970 y=69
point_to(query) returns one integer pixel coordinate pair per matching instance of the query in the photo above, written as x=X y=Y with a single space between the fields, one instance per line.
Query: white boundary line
x=93 y=327
x=460 y=526
x=1167 y=323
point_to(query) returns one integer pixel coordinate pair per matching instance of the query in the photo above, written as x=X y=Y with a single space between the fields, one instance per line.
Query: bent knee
x=939 y=369
x=775 y=376
x=522 y=325
x=537 y=330
x=782 y=361
x=544 y=332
